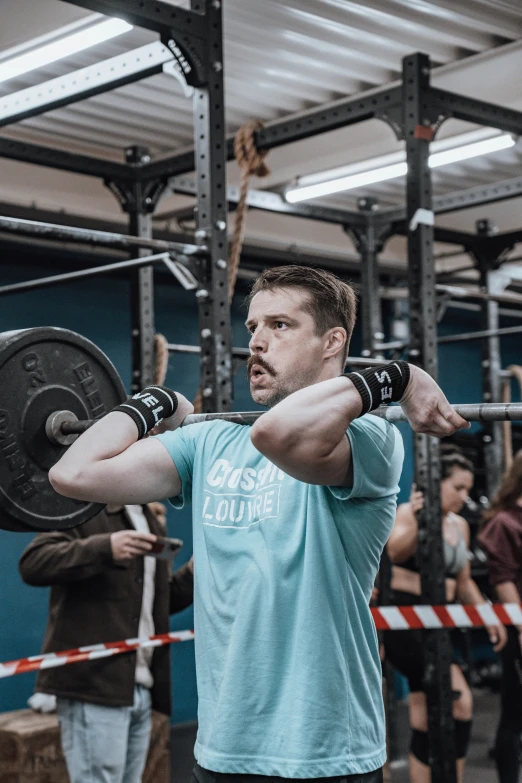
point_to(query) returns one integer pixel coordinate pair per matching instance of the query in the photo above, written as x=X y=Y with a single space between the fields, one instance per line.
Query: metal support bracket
x=189 y=58
x=141 y=196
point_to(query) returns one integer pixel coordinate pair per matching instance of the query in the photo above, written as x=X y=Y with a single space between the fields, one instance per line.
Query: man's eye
x=280 y=324
x=251 y=329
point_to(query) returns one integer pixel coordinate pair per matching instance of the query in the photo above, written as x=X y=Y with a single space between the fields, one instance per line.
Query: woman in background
x=501 y=538
x=404 y=649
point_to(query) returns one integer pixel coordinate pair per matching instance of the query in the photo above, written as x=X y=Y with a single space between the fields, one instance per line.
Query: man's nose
x=258 y=342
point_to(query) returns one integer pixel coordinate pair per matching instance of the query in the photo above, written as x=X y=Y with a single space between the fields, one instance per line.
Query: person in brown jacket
x=501 y=538
x=104 y=589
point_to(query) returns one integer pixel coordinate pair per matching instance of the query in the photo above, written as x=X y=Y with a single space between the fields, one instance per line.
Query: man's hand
x=128 y=544
x=416 y=499
x=172 y=422
x=427 y=408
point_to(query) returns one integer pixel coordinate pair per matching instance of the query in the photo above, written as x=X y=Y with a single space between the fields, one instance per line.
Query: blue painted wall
x=99 y=310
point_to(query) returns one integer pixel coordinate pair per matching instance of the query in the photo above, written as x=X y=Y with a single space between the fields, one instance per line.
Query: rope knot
x=250 y=160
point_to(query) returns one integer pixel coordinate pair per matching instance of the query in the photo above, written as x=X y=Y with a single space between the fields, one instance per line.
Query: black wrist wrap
x=149 y=407
x=381 y=384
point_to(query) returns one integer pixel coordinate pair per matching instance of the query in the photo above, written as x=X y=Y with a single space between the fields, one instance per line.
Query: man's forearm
x=318 y=414
x=105 y=439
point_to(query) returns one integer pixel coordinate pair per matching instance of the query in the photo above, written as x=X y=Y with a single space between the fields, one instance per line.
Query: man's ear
x=335 y=341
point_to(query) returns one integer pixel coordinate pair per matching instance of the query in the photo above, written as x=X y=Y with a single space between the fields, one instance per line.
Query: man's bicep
x=142 y=473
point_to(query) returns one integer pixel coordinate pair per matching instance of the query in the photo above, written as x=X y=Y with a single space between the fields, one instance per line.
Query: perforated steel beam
x=423 y=351
x=150 y=14
x=461 y=107
x=380 y=103
x=84 y=83
x=64 y=161
x=214 y=310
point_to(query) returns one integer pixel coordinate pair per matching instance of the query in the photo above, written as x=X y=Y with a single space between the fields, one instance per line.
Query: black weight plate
x=43 y=370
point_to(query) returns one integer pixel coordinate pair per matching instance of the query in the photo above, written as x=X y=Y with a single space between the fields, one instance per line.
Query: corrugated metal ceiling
x=281 y=57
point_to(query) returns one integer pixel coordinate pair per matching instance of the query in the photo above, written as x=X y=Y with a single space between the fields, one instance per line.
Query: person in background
x=501 y=538
x=406 y=654
x=104 y=588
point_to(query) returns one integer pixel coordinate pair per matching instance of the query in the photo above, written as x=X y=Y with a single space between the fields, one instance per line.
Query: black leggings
x=201 y=775
x=507 y=748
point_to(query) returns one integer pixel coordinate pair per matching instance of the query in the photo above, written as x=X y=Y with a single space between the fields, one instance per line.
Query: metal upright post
x=369 y=238
x=369 y=247
x=138 y=198
x=490 y=283
x=210 y=159
x=418 y=128
x=142 y=285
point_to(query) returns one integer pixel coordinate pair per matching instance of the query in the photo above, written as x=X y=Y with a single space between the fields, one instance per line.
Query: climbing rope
x=251 y=163
x=161 y=349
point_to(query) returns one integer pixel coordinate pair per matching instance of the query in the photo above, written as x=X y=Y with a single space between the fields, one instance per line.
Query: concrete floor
x=480 y=768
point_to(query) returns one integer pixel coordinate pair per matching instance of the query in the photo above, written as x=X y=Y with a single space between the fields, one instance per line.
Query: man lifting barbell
x=290 y=518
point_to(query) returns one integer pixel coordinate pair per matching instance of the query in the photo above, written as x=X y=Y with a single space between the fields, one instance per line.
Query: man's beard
x=277 y=395
x=282 y=390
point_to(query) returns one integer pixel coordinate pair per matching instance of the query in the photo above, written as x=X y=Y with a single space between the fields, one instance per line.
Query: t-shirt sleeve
x=377 y=457
x=503 y=546
x=181 y=445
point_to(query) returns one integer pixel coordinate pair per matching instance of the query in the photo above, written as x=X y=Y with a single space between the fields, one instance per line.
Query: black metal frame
x=414 y=110
x=194 y=38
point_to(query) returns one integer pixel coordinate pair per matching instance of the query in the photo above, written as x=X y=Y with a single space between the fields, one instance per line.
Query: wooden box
x=30 y=750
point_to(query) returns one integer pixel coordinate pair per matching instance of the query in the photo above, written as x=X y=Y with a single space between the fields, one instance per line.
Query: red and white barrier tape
x=90 y=653
x=386 y=618
x=404 y=618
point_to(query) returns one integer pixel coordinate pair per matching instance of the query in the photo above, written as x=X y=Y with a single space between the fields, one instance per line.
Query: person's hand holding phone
x=128 y=544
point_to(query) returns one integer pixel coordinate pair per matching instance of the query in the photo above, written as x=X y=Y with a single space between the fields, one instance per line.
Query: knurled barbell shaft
x=492 y=411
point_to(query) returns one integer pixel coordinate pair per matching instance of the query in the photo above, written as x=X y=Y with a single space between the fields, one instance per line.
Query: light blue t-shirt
x=288 y=670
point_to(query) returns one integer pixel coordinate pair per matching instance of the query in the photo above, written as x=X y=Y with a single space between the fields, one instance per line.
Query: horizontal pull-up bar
x=244 y=353
x=88 y=236
x=184 y=277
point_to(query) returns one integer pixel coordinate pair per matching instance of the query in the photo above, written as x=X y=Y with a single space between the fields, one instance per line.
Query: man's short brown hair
x=331 y=302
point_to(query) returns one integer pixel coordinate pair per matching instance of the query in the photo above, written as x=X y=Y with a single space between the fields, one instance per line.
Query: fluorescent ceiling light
x=62 y=47
x=346 y=183
x=396 y=167
x=457 y=154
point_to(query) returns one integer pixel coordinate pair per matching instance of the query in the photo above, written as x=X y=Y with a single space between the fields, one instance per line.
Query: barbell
x=54 y=384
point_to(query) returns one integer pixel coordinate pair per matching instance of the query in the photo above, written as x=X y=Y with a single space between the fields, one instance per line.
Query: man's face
x=287 y=355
